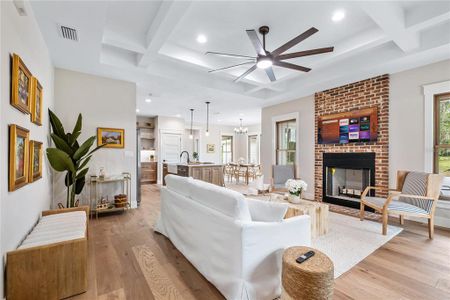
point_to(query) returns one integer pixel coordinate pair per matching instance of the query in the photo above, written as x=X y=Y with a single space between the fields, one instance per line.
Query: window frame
x=231 y=138
x=277 y=144
x=437 y=145
x=257 y=145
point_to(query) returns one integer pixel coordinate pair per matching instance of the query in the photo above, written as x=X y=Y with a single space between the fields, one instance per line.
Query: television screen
x=348 y=127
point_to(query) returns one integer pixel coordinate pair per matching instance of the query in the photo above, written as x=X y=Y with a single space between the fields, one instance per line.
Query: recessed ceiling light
x=148 y=100
x=241 y=114
x=137 y=110
x=338 y=15
x=178 y=115
x=219 y=120
x=201 y=38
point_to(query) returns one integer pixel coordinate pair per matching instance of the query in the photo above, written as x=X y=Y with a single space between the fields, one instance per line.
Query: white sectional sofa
x=236 y=243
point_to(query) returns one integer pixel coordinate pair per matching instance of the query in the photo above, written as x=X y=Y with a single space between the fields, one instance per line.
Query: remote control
x=305 y=257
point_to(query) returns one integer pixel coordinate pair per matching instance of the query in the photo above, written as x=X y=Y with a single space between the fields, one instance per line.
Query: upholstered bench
x=51 y=262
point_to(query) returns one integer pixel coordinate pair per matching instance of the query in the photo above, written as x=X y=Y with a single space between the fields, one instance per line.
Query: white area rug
x=349 y=240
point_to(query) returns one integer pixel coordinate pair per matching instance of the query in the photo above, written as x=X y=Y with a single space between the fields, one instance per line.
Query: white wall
x=304 y=109
x=406 y=116
x=103 y=102
x=21 y=209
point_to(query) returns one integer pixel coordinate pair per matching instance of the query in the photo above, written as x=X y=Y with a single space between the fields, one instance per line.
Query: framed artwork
x=18 y=157
x=210 y=148
x=113 y=137
x=36 y=101
x=21 y=85
x=35 y=163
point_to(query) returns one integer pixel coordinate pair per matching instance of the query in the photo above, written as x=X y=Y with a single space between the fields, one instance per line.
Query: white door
x=170 y=147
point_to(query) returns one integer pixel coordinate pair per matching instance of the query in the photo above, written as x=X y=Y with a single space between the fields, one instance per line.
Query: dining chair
x=416 y=195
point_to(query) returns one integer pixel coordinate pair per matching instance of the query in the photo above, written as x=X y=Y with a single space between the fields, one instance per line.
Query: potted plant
x=195 y=156
x=70 y=156
x=295 y=189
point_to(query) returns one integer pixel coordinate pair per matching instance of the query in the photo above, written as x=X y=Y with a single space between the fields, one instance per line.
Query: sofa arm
x=263 y=244
x=266 y=211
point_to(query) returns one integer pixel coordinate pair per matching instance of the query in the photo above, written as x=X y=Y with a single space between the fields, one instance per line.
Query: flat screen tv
x=356 y=126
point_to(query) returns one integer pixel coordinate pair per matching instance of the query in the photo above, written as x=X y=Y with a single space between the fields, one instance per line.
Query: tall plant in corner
x=69 y=156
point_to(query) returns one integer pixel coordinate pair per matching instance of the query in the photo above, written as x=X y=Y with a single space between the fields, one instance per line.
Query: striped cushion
x=396 y=205
x=416 y=184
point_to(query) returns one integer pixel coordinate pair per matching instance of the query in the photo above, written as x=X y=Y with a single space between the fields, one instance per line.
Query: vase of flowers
x=295 y=189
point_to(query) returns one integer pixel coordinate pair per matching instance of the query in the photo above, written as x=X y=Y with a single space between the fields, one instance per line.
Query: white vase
x=294 y=199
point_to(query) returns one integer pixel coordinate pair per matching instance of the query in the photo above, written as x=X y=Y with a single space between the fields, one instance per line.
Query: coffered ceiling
x=154 y=44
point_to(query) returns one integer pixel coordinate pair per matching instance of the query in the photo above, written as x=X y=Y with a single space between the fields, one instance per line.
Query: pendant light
x=241 y=129
x=191 y=135
x=207 y=118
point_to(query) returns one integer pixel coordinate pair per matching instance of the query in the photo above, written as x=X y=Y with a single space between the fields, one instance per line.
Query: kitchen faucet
x=181 y=155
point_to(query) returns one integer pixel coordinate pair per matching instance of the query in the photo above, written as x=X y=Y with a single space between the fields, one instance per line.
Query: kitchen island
x=209 y=172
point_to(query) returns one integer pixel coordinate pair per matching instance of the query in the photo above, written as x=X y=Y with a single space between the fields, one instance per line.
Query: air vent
x=69 y=33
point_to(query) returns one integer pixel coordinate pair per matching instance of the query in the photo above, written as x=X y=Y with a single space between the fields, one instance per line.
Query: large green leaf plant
x=69 y=156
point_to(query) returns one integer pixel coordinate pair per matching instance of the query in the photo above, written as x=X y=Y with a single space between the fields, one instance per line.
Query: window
x=286 y=142
x=253 y=149
x=442 y=134
x=227 y=149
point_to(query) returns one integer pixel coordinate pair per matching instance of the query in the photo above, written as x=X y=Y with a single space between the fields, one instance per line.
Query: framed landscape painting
x=18 y=157
x=35 y=163
x=36 y=101
x=21 y=85
x=113 y=137
x=210 y=148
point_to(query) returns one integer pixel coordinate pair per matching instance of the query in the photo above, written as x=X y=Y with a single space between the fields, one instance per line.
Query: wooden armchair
x=416 y=195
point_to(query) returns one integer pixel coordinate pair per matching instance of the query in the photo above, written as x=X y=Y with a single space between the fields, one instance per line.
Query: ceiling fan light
x=264 y=63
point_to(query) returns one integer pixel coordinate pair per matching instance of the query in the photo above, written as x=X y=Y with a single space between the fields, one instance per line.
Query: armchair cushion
x=395 y=205
x=416 y=184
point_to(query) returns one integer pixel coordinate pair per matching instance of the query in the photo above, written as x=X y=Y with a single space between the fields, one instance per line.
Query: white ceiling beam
x=431 y=22
x=168 y=16
x=390 y=17
x=114 y=39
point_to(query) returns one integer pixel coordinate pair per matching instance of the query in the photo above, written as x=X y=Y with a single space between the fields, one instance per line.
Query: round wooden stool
x=312 y=279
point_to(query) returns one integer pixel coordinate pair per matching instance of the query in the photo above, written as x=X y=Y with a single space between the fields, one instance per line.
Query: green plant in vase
x=69 y=156
x=195 y=156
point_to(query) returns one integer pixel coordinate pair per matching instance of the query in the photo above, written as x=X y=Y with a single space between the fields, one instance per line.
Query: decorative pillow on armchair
x=263 y=211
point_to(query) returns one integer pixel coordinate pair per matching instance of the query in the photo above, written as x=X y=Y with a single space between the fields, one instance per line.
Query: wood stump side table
x=312 y=279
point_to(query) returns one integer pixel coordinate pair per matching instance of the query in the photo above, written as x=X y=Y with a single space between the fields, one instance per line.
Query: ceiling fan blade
x=294 y=41
x=270 y=74
x=290 y=66
x=230 y=55
x=233 y=66
x=305 y=53
x=253 y=68
x=256 y=42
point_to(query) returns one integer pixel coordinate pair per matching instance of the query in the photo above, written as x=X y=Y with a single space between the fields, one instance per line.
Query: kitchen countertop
x=196 y=164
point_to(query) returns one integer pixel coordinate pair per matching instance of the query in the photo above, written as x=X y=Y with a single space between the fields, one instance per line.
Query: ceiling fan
x=265 y=59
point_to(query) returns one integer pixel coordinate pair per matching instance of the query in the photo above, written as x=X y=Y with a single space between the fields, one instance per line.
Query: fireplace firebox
x=346 y=175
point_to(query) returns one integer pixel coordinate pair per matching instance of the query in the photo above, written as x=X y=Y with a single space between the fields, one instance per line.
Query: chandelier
x=241 y=129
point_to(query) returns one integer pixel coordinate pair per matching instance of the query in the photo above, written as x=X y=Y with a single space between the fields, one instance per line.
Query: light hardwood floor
x=127 y=260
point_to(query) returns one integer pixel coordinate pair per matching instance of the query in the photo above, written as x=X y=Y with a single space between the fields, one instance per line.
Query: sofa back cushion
x=179 y=184
x=221 y=199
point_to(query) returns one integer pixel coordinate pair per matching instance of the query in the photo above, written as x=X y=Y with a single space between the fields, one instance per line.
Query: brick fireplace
x=373 y=92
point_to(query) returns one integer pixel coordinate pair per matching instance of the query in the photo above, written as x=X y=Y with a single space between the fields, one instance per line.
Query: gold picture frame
x=35 y=163
x=210 y=148
x=21 y=85
x=113 y=137
x=18 y=156
x=36 y=101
